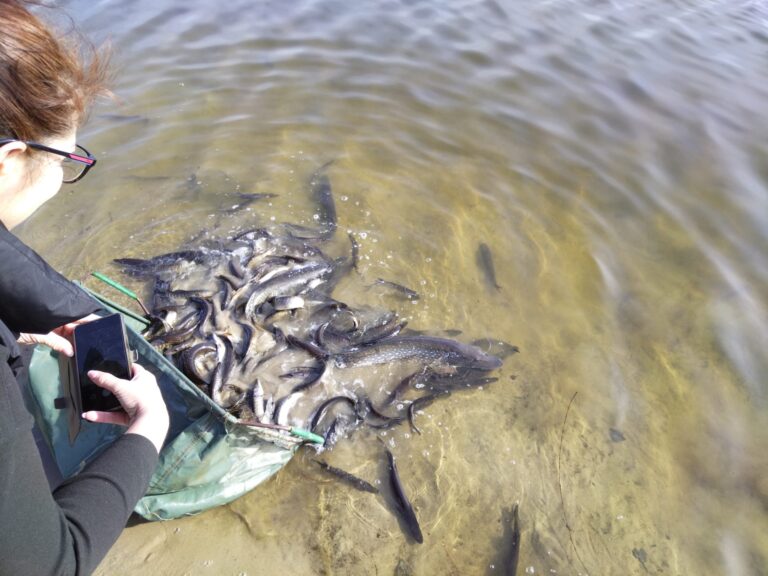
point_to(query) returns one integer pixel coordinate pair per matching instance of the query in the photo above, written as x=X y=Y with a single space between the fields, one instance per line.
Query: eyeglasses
x=75 y=164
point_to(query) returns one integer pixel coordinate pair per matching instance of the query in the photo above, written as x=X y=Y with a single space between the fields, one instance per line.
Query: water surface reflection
x=610 y=156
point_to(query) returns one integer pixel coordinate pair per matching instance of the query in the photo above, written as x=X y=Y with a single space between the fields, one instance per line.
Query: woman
x=44 y=91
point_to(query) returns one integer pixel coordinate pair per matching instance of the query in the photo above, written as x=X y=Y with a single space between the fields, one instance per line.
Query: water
x=610 y=154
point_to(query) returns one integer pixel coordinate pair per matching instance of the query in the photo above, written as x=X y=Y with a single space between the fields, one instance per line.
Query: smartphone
x=100 y=345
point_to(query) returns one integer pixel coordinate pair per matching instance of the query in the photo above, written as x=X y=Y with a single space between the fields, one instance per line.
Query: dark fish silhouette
x=485 y=263
x=350 y=479
x=399 y=288
x=403 y=505
x=511 y=522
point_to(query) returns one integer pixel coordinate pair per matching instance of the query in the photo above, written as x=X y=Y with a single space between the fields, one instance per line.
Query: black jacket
x=70 y=530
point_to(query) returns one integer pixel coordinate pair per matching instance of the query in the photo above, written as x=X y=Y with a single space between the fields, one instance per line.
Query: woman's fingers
x=52 y=340
x=120 y=418
x=138 y=370
x=68 y=328
x=105 y=380
x=58 y=343
x=145 y=412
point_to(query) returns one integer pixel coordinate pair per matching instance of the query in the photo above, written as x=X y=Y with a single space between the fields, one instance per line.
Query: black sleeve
x=36 y=298
x=69 y=531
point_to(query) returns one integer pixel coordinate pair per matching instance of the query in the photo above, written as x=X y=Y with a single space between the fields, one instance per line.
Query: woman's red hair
x=46 y=83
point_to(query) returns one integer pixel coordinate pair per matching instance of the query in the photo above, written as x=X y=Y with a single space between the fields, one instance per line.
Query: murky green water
x=611 y=154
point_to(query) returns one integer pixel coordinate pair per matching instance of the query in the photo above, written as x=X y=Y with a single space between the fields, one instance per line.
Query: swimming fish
x=485 y=263
x=404 y=506
x=512 y=533
x=350 y=479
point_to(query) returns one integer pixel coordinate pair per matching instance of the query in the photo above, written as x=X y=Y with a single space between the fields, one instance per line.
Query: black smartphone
x=100 y=345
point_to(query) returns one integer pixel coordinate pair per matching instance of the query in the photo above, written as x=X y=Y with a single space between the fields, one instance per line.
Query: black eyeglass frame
x=89 y=160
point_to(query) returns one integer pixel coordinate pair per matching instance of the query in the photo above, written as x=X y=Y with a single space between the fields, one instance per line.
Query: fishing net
x=258 y=355
x=208 y=458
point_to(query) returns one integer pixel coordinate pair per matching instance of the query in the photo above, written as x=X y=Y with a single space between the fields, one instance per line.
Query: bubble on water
x=620 y=517
x=343 y=198
x=425 y=453
x=363 y=235
x=492 y=567
x=530 y=570
x=428 y=259
x=419 y=385
x=423 y=282
x=235 y=206
x=374 y=240
x=400 y=406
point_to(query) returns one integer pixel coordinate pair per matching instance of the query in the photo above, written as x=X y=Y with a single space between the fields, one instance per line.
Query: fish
x=404 y=385
x=288 y=302
x=403 y=505
x=248 y=199
x=293 y=279
x=427 y=348
x=243 y=316
x=323 y=196
x=320 y=412
x=365 y=410
x=485 y=263
x=496 y=347
x=355 y=251
x=256 y=399
x=399 y=288
x=192 y=358
x=418 y=404
x=170 y=262
x=350 y=479
x=511 y=522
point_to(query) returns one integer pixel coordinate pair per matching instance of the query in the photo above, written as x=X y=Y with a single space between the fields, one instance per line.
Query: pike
x=421 y=347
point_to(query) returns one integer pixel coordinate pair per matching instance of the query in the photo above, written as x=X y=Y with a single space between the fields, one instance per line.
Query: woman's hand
x=144 y=413
x=58 y=339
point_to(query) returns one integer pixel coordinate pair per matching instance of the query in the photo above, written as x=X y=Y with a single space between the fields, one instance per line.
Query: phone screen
x=100 y=345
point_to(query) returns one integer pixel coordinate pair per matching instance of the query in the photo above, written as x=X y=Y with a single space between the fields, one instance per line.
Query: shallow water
x=612 y=156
